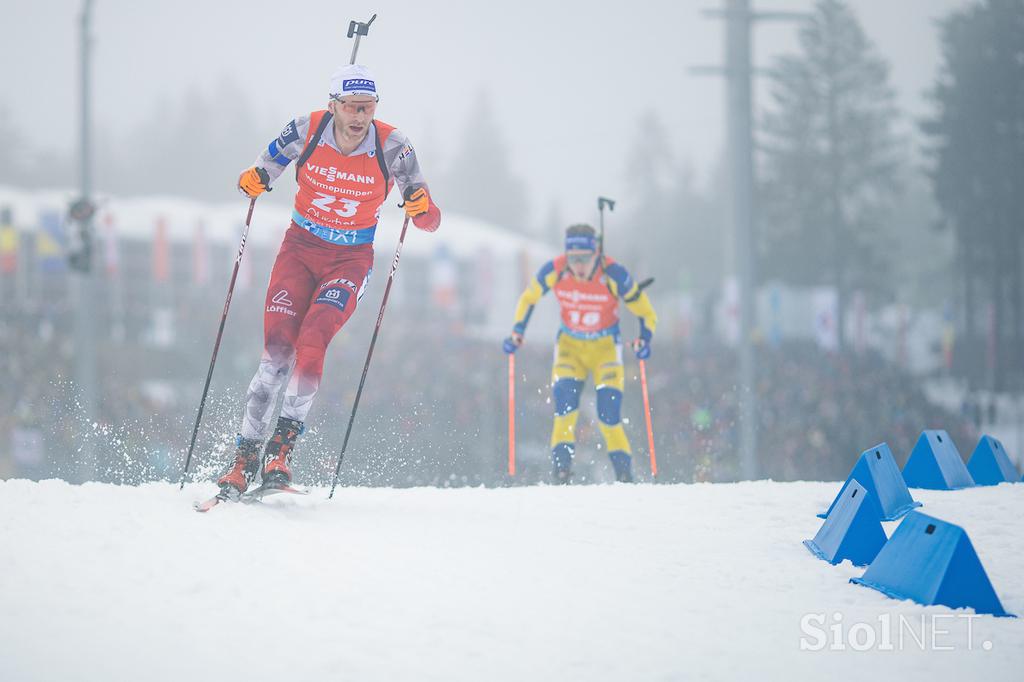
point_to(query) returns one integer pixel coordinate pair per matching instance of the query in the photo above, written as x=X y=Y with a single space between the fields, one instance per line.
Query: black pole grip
x=359 y=28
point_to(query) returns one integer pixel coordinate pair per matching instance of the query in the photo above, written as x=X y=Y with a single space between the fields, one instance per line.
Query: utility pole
x=737 y=71
x=81 y=277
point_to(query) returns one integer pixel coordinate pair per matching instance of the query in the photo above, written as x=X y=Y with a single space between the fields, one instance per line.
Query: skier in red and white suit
x=347 y=163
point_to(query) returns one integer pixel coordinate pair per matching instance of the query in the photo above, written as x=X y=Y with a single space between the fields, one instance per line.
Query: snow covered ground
x=100 y=582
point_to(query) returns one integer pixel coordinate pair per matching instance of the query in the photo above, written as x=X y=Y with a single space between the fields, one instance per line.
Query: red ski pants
x=314 y=288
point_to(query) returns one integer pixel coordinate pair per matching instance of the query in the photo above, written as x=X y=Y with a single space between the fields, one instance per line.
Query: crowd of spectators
x=434 y=411
x=817 y=411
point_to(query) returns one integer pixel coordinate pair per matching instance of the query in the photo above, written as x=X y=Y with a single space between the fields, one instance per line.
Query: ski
x=259 y=493
x=206 y=505
x=254 y=495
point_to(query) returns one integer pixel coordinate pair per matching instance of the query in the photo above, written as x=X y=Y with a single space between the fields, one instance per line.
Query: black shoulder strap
x=380 y=160
x=313 y=142
x=598 y=265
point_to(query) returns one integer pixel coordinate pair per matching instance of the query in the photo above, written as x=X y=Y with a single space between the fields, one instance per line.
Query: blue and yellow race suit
x=588 y=343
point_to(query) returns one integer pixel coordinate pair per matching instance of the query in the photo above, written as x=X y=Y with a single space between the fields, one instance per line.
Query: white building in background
x=469 y=273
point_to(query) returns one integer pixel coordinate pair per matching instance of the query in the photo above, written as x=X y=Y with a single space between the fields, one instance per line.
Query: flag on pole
x=729 y=311
x=443 y=279
x=948 y=337
x=161 y=252
x=49 y=240
x=200 y=257
x=482 y=297
x=8 y=243
x=111 y=255
x=825 y=304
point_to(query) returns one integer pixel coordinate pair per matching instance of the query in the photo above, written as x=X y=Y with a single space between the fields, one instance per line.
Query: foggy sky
x=569 y=80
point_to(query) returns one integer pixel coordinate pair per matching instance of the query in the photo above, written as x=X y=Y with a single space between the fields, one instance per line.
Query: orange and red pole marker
x=511 y=414
x=647 y=414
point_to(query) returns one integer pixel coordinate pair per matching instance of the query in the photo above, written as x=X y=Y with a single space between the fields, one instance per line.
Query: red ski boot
x=247 y=463
x=276 y=473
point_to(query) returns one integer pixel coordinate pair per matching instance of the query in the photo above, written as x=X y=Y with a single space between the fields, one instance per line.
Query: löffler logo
x=282 y=304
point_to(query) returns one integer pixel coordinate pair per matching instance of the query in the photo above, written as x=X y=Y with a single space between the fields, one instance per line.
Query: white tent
x=500 y=259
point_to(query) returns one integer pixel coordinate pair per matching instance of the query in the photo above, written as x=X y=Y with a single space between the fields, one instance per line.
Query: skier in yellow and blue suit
x=588 y=286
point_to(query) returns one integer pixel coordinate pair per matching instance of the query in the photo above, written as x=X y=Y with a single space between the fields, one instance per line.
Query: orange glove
x=254 y=182
x=417 y=203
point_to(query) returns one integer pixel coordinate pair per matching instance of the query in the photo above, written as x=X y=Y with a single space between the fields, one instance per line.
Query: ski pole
x=369 y=354
x=511 y=414
x=647 y=414
x=216 y=345
x=358 y=29
x=601 y=203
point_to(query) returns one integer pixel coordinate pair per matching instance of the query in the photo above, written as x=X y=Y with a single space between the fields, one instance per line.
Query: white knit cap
x=352 y=79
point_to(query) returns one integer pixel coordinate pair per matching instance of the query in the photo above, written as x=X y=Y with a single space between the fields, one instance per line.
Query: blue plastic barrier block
x=877 y=471
x=932 y=562
x=989 y=463
x=852 y=531
x=936 y=464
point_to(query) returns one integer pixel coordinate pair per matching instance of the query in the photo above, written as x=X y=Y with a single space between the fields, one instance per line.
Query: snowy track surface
x=99 y=582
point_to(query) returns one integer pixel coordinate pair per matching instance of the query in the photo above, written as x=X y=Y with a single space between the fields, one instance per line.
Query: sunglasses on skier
x=579 y=258
x=357 y=107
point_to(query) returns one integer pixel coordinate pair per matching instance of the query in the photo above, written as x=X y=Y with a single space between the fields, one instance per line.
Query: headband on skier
x=580 y=242
x=580 y=237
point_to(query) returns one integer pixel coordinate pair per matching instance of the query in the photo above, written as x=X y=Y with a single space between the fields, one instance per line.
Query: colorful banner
x=200 y=257
x=728 y=312
x=443 y=279
x=482 y=297
x=825 y=304
x=8 y=243
x=161 y=252
x=49 y=242
x=111 y=254
x=948 y=337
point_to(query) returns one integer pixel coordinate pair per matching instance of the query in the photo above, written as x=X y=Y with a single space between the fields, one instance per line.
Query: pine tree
x=192 y=126
x=25 y=164
x=978 y=176
x=664 y=207
x=553 y=231
x=480 y=182
x=17 y=151
x=830 y=159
